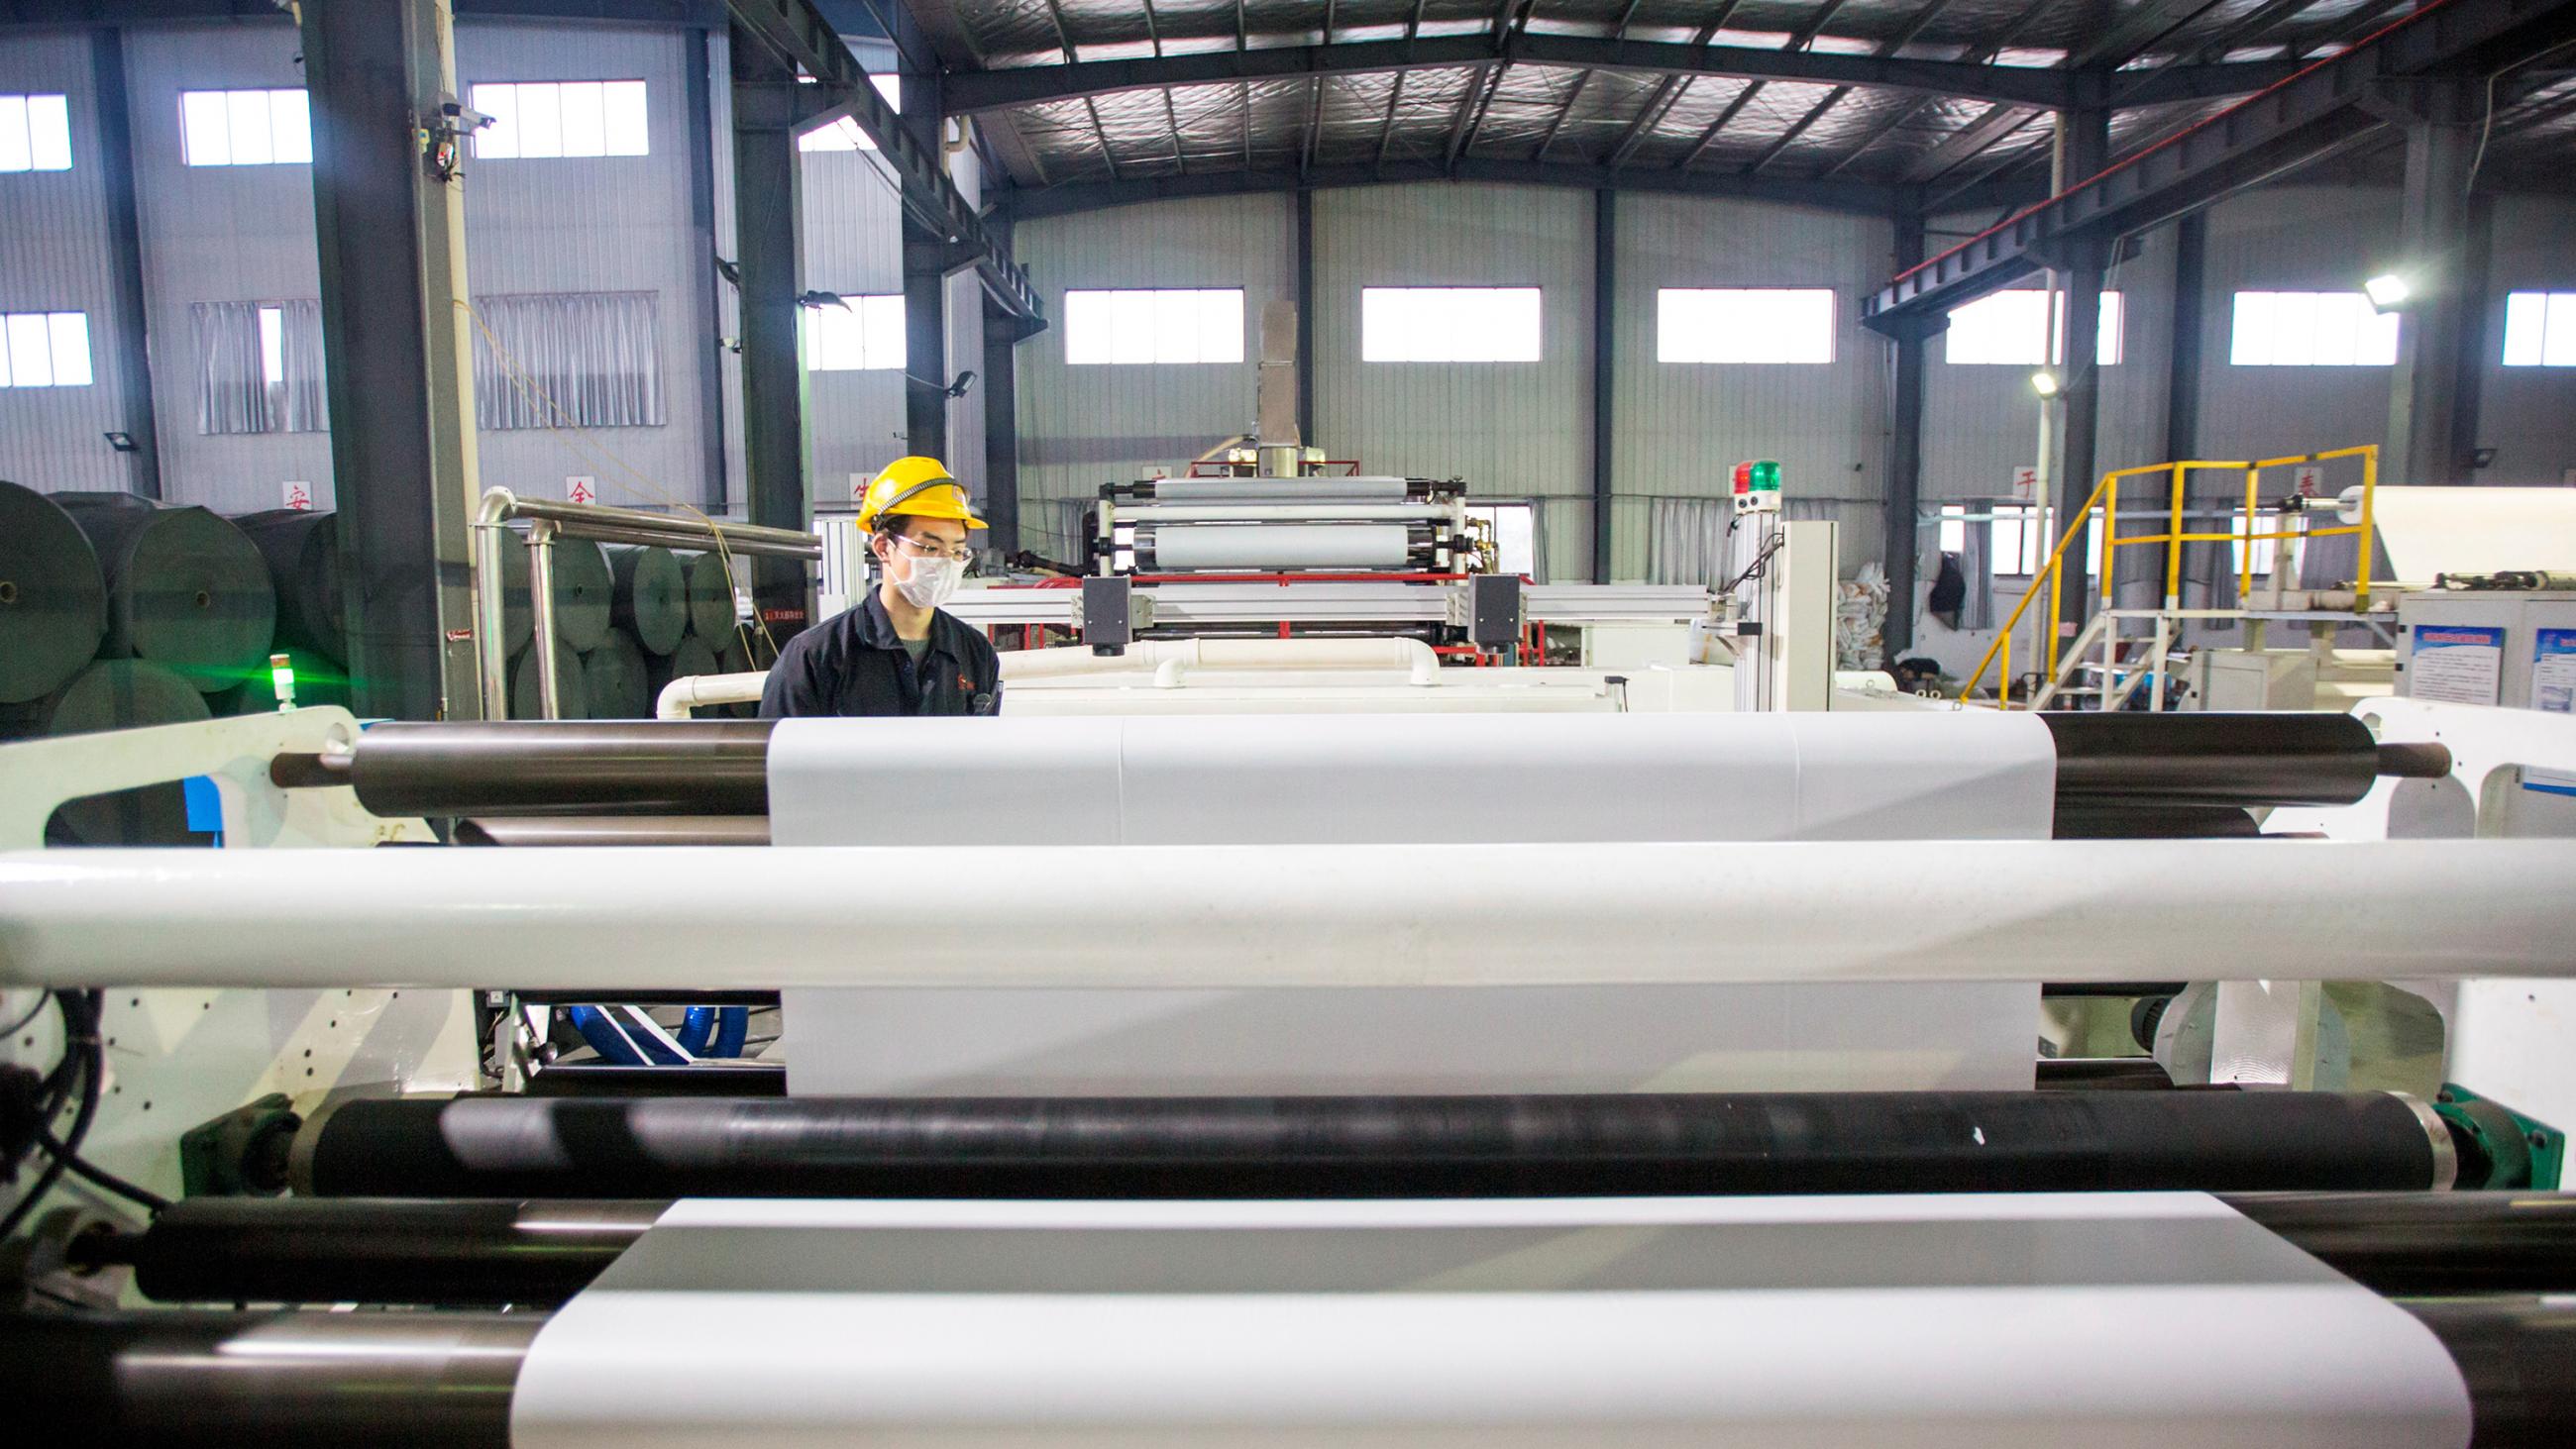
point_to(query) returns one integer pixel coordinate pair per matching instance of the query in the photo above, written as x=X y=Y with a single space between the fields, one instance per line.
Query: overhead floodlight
x=2044 y=382
x=2387 y=291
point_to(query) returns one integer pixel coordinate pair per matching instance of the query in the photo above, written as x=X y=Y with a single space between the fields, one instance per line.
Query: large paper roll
x=1274 y=546
x=1789 y=1323
x=2429 y=531
x=1280 y=490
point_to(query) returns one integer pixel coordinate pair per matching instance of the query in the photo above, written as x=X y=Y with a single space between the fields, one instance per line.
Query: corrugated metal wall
x=1515 y=429
x=611 y=224
x=1981 y=421
x=54 y=258
x=246 y=234
x=2304 y=239
x=217 y=234
x=1084 y=426
x=1683 y=426
x=2528 y=413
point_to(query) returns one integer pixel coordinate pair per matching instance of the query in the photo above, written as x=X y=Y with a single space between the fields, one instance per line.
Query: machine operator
x=896 y=652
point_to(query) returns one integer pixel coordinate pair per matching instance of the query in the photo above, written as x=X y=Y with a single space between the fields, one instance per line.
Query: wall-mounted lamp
x=2387 y=292
x=2044 y=382
x=123 y=442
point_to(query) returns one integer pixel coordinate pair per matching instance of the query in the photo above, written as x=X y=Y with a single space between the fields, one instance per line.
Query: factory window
x=44 y=349
x=862 y=333
x=35 y=133
x=1744 y=324
x=561 y=118
x=2264 y=550
x=2020 y=327
x=1515 y=535
x=2540 y=329
x=2311 y=329
x=844 y=134
x=1449 y=324
x=2019 y=537
x=1158 y=326
x=245 y=128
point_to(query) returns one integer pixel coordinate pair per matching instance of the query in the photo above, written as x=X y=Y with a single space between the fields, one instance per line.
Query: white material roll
x=2137 y=1321
x=2480 y=530
x=1278 y=490
x=1249 y=780
x=1275 y=546
x=1211 y=916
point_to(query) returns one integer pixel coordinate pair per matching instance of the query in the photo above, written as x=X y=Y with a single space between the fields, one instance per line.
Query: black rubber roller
x=1494 y=1146
x=583 y=591
x=572 y=688
x=2133 y=761
x=53 y=599
x=535 y=767
x=185 y=589
x=707 y=590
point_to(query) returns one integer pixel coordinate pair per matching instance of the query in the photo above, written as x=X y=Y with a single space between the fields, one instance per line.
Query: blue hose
x=614 y=1044
x=734 y=1026
x=695 y=1028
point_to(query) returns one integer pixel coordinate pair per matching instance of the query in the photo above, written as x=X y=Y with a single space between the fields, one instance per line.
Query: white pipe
x=1410 y=655
x=691 y=690
x=1224 y=916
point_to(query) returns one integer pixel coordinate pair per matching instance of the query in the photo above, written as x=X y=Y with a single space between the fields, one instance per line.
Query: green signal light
x=281 y=677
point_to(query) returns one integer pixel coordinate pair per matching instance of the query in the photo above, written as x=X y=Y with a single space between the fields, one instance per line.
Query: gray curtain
x=298 y=403
x=1976 y=565
x=233 y=391
x=596 y=356
x=1687 y=540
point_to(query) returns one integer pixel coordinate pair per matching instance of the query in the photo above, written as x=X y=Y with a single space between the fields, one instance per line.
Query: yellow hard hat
x=918 y=486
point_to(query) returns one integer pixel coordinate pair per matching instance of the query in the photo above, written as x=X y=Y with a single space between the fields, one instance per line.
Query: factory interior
x=1343 y=725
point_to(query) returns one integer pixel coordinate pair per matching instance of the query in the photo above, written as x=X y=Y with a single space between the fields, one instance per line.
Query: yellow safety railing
x=2106 y=496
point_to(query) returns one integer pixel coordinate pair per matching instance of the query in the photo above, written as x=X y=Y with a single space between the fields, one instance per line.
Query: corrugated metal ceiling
x=1527 y=111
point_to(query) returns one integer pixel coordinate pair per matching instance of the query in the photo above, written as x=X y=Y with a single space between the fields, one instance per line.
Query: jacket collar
x=876 y=627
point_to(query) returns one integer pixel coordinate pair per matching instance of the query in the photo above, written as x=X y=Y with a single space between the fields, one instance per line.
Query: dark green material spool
x=583 y=585
x=116 y=694
x=185 y=589
x=710 y=596
x=615 y=682
x=650 y=600
x=571 y=685
x=53 y=598
x=302 y=547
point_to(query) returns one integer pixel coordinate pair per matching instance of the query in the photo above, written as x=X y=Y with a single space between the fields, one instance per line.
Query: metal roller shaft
x=579 y=768
x=1421 y=1146
x=553 y=830
x=471 y=1253
x=398 y=1380
x=2114 y=771
x=2122 y=760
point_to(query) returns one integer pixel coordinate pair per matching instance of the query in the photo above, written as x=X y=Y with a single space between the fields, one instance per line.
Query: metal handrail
x=2173 y=538
x=549 y=520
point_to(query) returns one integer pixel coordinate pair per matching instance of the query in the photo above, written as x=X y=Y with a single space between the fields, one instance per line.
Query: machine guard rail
x=549 y=520
x=2106 y=498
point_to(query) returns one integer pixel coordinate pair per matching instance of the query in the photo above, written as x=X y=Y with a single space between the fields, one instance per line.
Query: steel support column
x=2424 y=426
x=709 y=368
x=768 y=231
x=1605 y=349
x=1003 y=330
x=2183 y=381
x=926 y=258
x=128 y=328
x=389 y=223
x=1904 y=475
x=1305 y=221
x=2083 y=147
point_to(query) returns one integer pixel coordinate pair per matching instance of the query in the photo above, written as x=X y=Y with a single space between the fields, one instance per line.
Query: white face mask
x=930 y=581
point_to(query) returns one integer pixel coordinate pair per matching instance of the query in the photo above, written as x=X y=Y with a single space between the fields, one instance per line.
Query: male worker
x=895 y=652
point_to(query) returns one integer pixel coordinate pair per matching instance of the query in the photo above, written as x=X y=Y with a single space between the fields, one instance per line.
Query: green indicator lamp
x=281 y=676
